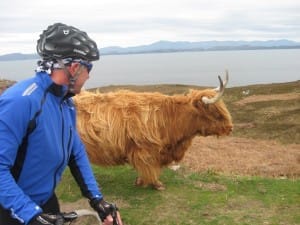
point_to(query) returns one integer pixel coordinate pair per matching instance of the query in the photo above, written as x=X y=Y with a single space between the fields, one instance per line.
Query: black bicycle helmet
x=60 y=41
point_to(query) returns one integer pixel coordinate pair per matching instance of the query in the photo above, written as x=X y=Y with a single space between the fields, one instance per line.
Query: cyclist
x=38 y=136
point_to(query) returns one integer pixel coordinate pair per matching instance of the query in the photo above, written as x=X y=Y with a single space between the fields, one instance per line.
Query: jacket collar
x=55 y=89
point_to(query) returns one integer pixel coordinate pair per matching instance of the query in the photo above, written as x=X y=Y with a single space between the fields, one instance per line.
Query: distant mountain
x=168 y=46
x=17 y=56
x=178 y=46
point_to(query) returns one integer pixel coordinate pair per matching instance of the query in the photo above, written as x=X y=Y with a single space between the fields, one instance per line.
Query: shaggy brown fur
x=147 y=130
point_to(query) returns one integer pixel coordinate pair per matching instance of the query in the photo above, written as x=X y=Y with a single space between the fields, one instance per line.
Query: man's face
x=82 y=77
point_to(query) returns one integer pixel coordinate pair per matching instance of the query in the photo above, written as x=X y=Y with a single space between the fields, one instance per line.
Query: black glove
x=104 y=208
x=47 y=219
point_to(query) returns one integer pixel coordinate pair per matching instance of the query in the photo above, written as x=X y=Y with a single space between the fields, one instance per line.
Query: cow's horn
x=220 y=91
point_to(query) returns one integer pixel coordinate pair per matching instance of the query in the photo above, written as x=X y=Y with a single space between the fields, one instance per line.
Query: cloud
x=135 y=22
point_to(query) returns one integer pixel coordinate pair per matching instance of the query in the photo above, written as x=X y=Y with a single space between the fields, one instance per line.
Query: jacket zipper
x=69 y=143
x=63 y=147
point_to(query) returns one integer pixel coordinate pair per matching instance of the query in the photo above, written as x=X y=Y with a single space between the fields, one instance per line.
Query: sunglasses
x=87 y=65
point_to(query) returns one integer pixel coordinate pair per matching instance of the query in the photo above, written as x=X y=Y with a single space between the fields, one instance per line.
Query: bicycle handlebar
x=71 y=216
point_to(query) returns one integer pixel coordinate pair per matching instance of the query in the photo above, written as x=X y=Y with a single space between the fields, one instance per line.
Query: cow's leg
x=148 y=168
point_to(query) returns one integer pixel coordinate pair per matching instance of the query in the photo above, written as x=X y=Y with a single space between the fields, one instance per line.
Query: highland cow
x=148 y=130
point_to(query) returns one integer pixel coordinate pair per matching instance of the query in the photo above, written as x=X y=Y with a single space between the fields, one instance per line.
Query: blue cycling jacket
x=52 y=145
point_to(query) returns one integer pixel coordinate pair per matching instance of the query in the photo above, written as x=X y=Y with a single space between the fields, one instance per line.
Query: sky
x=128 y=23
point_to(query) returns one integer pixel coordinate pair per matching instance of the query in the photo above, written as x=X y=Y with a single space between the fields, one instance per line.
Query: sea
x=245 y=67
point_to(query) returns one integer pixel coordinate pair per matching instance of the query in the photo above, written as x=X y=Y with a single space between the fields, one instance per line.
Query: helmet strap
x=72 y=79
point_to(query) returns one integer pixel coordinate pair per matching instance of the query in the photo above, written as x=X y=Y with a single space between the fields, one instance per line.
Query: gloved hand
x=47 y=219
x=103 y=208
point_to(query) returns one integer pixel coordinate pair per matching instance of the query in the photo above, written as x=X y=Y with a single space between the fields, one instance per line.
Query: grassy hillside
x=274 y=119
x=4 y=84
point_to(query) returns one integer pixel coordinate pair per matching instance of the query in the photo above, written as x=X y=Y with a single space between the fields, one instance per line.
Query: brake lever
x=68 y=217
x=114 y=210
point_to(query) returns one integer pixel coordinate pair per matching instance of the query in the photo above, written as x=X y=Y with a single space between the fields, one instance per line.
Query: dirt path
x=264 y=98
x=241 y=156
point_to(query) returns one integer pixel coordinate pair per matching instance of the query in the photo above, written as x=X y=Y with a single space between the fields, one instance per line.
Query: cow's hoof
x=159 y=187
x=139 y=182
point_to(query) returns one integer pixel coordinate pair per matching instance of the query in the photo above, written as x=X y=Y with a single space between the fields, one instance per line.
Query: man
x=38 y=136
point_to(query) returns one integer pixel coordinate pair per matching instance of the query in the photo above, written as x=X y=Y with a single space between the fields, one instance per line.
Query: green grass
x=193 y=198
